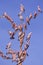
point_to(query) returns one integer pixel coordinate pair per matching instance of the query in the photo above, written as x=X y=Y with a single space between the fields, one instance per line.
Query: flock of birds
x=19 y=56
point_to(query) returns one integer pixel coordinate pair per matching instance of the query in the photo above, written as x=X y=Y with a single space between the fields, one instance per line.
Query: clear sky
x=36 y=27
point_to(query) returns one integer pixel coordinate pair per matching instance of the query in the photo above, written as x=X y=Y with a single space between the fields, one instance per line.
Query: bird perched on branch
x=13 y=54
x=22 y=9
x=29 y=36
x=22 y=56
x=11 y=34
x=20 y=33
x=14 y=25
x=8 y=17
x=20 y=27
x=8 y=45
x=26 y=45
x=21 y=42
x=25 y=26
x=21 y=18
x=28 y=20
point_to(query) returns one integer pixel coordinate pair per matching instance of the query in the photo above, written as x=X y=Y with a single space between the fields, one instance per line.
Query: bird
x=20 y=33
x=29 y=36
x=19 y=63
x=14 y=25
x=8 y=17
x=39 y=9
x=13 y=54
x=19 y=54
x=19 y=59
x=16 y=29
x=26 y=45
x=1 y=53
x=23 y=56
x=25 y=26
x=21 y=18
x=22 y=9
x=8 y=45
x=27 y=20
x=11 y=34
x=21 y=42
x=35 y=14
x=21 y=38
x=20 y=27
x=30 y=16
x=14 y=57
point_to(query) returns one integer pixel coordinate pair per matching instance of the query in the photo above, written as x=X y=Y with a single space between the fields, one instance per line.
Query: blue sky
x=36 y=27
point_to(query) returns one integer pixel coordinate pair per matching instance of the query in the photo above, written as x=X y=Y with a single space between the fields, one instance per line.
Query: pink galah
x=16 y=29
x=29 y=36
x=25 y=26
x=21 y=42
x=8 y=17
x=22 y=9
x=27 y=20
x=14 y=25
x=11 y=34
x=39 y=9
x=22 y=36
x=1 y=53
x=14 y=56
x=8 y=45
x=23 y=56
x=26 y=45
x=20 y=27
x=19 y=62
x=21 y=18
x=30 y=16
x=19 y=53
x=35 y=14
x=20 y=33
